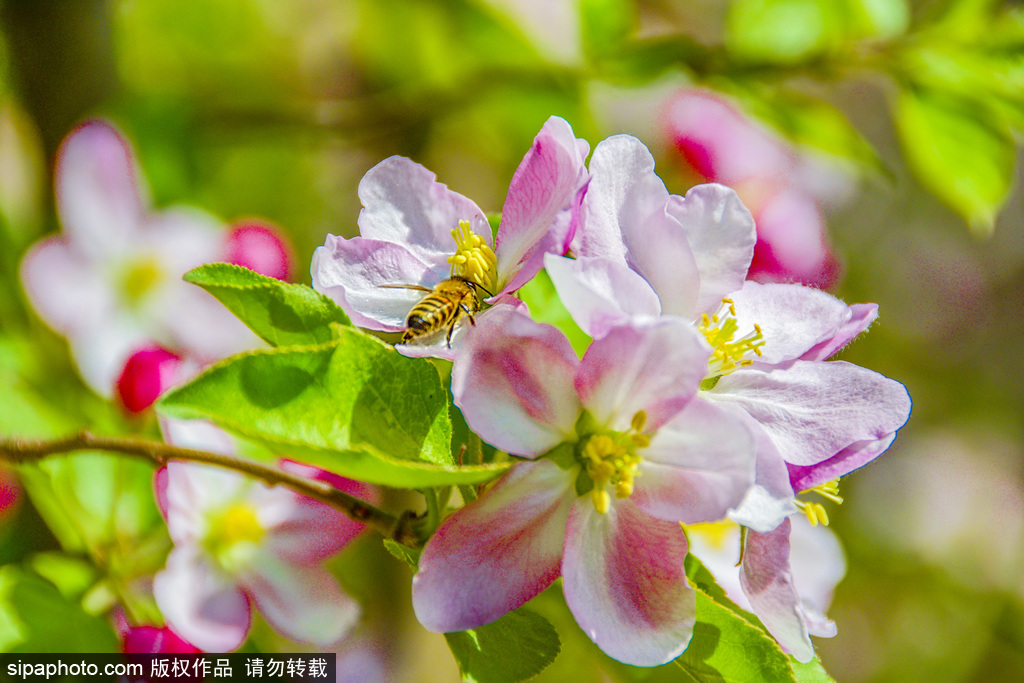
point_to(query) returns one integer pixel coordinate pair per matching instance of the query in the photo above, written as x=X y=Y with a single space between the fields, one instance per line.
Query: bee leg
x=448 y=338
x=469 y=314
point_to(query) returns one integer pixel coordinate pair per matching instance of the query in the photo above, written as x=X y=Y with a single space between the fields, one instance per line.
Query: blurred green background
x=275 y=109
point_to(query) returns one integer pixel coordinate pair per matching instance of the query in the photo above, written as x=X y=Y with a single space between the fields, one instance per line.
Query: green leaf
x=726 y=647
x=517 y=646
x=35 y=617
x=281 y=313
x=353 y=406
x=810 y=672
x=410 y=556
x=959 y=151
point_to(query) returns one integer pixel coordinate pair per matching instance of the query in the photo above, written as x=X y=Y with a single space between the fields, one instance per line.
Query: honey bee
x=448 y=301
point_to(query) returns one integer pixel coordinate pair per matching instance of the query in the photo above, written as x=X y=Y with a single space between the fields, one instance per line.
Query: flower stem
x=20 y=451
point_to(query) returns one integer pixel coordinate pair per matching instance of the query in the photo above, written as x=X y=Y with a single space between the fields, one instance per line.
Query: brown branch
x=400 y=529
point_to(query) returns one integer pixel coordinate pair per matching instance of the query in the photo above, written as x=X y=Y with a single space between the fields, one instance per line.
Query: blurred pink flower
x=622 y=450
x=239 y=543
x=259 y=246
x=153 y=639
x=111 y=282
x=416 y=231
x=722 y=145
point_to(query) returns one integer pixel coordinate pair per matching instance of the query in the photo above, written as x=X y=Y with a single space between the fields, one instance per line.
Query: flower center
x=473 y=259
x=716 y=534
x=816 y=511
x=610 y=459
x=234 y=535
x=727 y=351
x=139 y=278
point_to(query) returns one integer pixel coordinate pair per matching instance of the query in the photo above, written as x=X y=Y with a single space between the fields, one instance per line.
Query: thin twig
x=400 y=529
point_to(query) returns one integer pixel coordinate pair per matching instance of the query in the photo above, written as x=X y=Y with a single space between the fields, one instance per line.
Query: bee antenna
x=481 y=287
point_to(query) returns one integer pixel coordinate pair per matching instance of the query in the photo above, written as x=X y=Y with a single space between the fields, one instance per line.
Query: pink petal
x=148 y=373
x=544 y=184
x=303 y=603
x=352 y=272
x=405 y=204
x=721 y=143
x=200 y=603
x=301 y=530
x=97 y=189
x=513 y=381
x=194 y=489
x=556 y=241
x=791 y=244
x=699 y=464
x=600 y=293
x=793 y=318
x=151 y=639
x=861 y=316
x=496 y=553
x=842 y=463
x=818 y=565
x=721 y=234
x=623 y=579
x=768 y=584
x=342 y=529
x=259 y=246
x=625 y=217
x=813 y=410
x=655 y=368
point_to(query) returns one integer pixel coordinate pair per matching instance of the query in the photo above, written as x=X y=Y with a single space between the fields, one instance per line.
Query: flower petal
x=303 y=603
x=600 y=293
x=544 y=184
x=794 y=319
x=818 y=564
x=861 y=316
x=624 y=582
x=354 y=271
x=97 y=189
x=513 y=381
x=768 y=584
x=496 y=553
x=625 y=217
x=404 y=204
x=721 y=234
x=655 y=368
x=201 y=604
x=842 y=463
x=699 y=464
x=813 y=411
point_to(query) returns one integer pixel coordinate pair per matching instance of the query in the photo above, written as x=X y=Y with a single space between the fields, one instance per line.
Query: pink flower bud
x=147 y=374
x=260 y=247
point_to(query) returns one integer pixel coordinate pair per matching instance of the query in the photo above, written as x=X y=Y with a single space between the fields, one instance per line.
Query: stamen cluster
x=816 y=511
x=728 y=354
x=473 y=258
x=611 y=459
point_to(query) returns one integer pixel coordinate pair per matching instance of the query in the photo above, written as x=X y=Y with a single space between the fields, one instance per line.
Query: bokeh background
x=275 y=109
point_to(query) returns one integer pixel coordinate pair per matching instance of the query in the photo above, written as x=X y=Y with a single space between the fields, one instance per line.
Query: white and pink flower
x=415 y=231
x=240 y=544
x=111 y=282
x=621 y=451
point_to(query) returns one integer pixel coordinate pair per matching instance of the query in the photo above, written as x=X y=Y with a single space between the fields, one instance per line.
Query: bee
x=448 y=301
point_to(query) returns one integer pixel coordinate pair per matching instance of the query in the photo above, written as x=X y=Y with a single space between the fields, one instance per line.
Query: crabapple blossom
x=779 y=186
x=619 y=449
x=644 y=253
x=111 y=282
x=415 y=231
x=239 y=544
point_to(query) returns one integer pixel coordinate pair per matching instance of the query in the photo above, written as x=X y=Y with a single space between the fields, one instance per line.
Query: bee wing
x=416 y=287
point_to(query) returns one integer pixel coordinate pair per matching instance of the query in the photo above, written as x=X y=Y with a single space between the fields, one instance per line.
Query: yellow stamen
x=138 y=278
x=611 y=460
x=816 y=511
x=728 y=352
x=233 y=534
x=473 y=258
